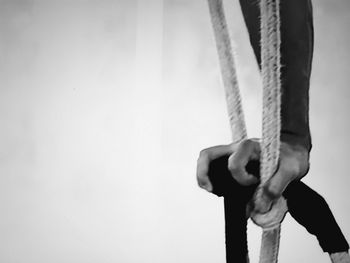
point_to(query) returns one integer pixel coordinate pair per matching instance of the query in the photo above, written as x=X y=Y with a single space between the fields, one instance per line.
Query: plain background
x=104 y=107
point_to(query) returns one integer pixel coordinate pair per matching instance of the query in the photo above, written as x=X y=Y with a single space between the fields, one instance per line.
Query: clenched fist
x=293 y=165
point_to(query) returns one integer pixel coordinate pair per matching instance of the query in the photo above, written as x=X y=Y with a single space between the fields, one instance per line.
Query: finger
x=218 y=151
x=205 y=157
x=274 y=188
x=246 y=151
x=202 y=174
x=239 y=173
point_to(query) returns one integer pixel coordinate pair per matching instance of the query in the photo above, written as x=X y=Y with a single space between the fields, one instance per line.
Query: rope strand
x=228 y=70
x=270 y=44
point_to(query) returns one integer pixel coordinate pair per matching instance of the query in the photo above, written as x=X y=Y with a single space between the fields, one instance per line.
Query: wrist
x=298 y=158
x=296 y=140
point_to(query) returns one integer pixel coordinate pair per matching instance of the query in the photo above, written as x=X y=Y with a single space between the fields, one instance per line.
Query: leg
x=310 y=210
x=305 y=205
x=236 y=198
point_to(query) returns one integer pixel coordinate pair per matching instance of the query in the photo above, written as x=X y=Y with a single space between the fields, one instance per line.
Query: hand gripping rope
x=270 y=144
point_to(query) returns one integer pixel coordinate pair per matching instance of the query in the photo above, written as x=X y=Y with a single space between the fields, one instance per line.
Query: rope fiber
x=270 y=45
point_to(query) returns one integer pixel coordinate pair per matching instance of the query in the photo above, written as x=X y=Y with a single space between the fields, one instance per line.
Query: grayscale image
x=174 y=131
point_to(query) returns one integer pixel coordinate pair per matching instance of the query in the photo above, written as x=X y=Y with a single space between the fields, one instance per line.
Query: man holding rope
x=231 y=170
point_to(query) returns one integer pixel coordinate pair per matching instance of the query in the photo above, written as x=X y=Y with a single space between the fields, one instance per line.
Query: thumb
x=273 y=189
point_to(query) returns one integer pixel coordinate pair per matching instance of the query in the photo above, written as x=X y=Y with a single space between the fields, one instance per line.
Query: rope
x=270 y=43
x=228 y=71
x=270 y=70
x=271 y=126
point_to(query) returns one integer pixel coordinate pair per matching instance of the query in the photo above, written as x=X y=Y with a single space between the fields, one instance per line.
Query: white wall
x=104 y=106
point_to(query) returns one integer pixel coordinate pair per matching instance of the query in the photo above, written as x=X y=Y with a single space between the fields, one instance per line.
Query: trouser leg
x=236 y=198
x=305 y=205
x=311 y=210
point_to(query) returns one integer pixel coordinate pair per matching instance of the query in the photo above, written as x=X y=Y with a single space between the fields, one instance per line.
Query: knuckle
x=201 y=182
x=246 y=143
x=234 y=146
x=203 y=159
x=203 y=154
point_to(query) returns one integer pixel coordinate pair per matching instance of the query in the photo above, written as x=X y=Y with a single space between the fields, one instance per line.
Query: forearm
x=296 y=58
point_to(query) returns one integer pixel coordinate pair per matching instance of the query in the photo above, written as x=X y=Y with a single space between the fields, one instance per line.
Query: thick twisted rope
x=228 y=71
x=270 y=42
x=270 y=144
x=270 y=71
x=271 y=124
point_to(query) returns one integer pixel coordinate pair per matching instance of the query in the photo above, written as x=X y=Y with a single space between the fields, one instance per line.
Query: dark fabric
x=235 y=202
x=311 y=210
x=305 y=205
x=296 y=57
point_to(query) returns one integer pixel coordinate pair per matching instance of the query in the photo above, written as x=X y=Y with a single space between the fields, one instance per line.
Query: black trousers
x=305 y=205
x=297 y=41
